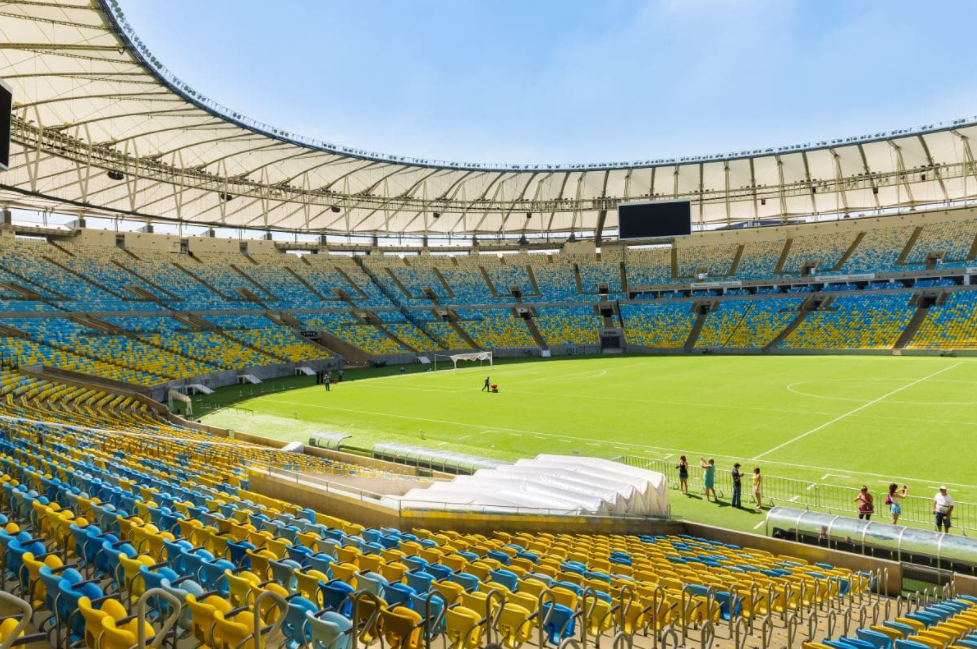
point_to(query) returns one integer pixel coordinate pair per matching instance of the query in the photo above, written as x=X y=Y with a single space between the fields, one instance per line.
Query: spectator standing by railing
x=737 y=486
x=942 y=509
x=683 y=475
x=893 y=501
x=709 y=477
x=866 y=504
x=757 y=488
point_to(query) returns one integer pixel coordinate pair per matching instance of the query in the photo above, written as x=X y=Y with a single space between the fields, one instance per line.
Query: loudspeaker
x=6 y=106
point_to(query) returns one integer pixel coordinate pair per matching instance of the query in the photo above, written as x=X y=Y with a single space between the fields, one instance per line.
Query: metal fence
x=834 y=499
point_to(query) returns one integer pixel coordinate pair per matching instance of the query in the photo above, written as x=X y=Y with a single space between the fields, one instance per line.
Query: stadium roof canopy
x=102 y=128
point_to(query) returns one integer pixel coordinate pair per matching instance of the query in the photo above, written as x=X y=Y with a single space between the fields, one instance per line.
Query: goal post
x=481 y=357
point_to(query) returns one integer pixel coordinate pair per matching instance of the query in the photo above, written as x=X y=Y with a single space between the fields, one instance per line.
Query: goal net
x=481 y=357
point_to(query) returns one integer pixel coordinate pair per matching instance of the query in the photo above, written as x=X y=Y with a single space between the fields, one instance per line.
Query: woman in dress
x=866 y=504
x=683 y=475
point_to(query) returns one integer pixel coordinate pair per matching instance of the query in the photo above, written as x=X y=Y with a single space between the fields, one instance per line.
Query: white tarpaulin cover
x=557 y=484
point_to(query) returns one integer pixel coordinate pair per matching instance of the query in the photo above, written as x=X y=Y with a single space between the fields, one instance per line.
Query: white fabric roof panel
x=553 y=484
x=90 y=97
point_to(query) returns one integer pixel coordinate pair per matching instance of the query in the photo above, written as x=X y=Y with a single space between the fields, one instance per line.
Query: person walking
x=683 y=475
x=942 y=509
x=329 y=381
x=757 y=488
x=866 y=504
x=709 y=477
x=892 y=500
x=737 y=486
x=487 y=387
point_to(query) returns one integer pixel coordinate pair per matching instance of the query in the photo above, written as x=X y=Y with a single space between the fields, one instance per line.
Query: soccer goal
x=481 y=357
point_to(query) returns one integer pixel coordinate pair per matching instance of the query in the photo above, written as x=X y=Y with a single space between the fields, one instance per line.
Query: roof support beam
x=934 y=168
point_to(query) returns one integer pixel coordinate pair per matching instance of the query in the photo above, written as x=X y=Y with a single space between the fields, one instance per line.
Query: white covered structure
x=554 y=484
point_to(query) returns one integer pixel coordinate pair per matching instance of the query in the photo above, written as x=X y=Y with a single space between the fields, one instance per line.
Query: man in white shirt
x=942 y=508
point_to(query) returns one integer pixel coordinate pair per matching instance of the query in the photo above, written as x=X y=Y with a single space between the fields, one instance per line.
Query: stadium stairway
x=464 y=334
x=922 y=310
x=85 y=278
x=167 y=294
x=848 y=253
x=444 y=283
x=806 y=307
x=784 y=255
x=71 y=377
x=396 y=280
x=491 y=284
x=532 y=279
x=244 y=343
x=736 y=261
x=286 y=320
x=910 y=244
x=349 y=280
x=210 y=287
x=534 y=332
x=576 y=278
x=410 y=317
x=240 y=271
x=353 y=355
x=389 y=334
x=301 y=280
x=51 y=297
x=92 y=322
x=180 y=352
x=703 y=310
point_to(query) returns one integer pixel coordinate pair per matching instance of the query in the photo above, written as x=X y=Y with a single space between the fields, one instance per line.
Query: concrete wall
x=86 y=237
x=208 y=244
x=157 y=242
x=862 y=224
x=965 y=585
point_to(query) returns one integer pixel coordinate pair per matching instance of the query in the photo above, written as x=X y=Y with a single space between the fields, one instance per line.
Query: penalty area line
x=855 y=410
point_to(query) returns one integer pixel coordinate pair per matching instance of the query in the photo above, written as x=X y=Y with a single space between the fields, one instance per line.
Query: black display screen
x=6 y=106
x=655 y=219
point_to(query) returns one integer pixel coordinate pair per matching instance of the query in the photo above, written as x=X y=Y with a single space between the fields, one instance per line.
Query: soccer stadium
x=260 y=391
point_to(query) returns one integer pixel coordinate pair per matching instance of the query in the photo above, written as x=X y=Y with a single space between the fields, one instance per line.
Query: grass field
x=843 y=420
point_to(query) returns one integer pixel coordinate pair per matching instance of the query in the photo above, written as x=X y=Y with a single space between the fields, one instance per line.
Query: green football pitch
x=843 y=420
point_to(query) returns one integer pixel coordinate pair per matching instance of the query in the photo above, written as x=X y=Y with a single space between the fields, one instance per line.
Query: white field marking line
x=591 y=444
x=620 y=445
x=925 y=421
x=699 y=404
x=790 y=388
x=665 y=457
x=852 y=412
x=757 y=526
x=836 y=475
x=794 y=499
x=812 y=485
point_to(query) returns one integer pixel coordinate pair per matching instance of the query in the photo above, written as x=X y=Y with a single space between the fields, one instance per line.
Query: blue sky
x=560 y=81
